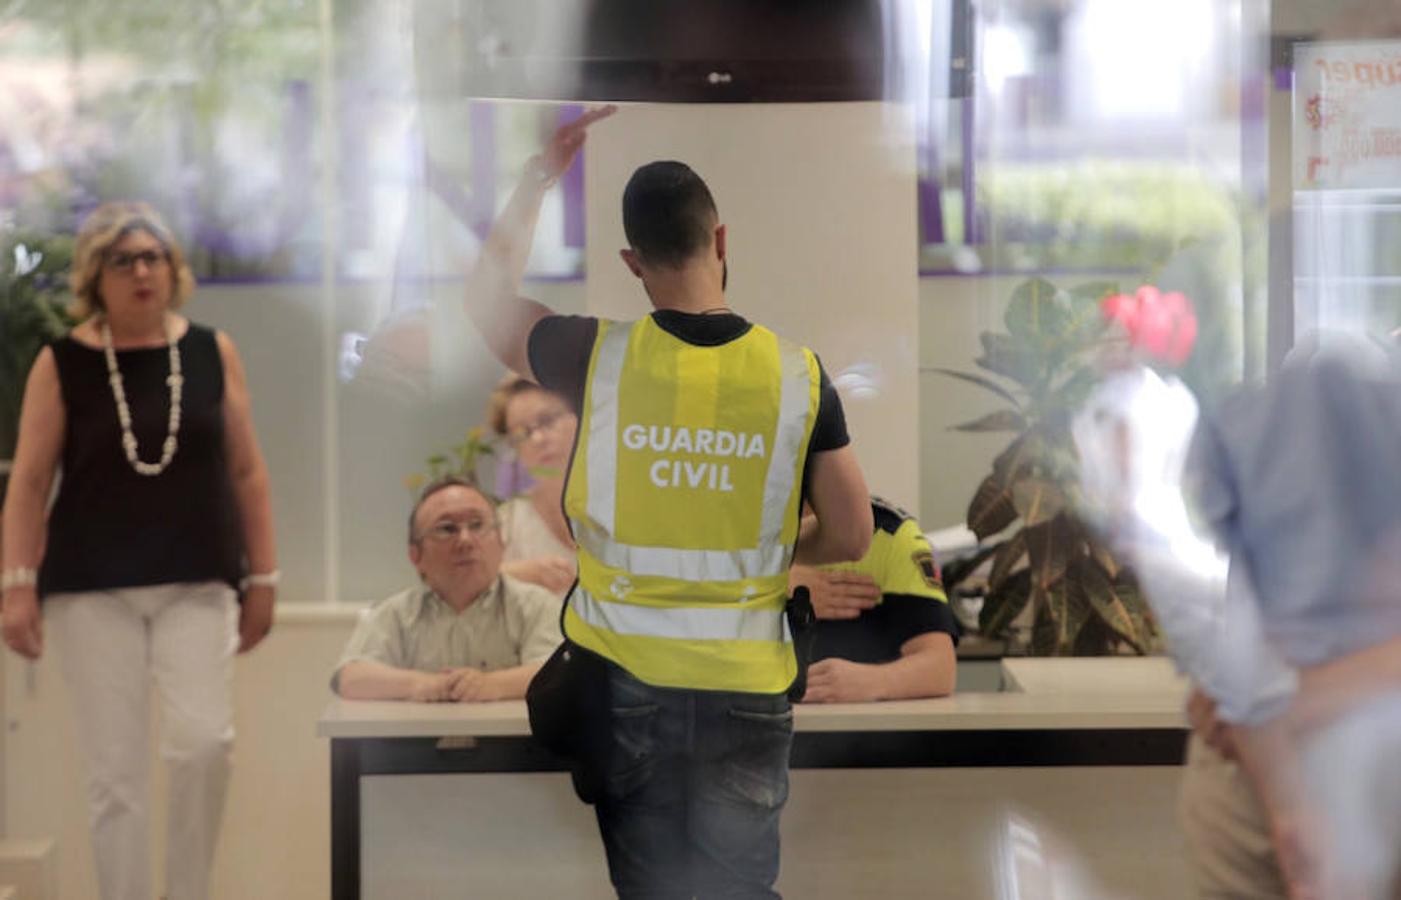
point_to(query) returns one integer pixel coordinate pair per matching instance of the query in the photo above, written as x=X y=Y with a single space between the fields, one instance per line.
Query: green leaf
x=1037 y=500
x=1001 y=607
x=1002 y=420
x=1048 y=548
x=1091 y=292
x=991 y=509
x=1103 y=557
x=1141 y=613
x=1093 y=640
x=980 y=381
x=1059 y=619
x=1008 y=555
x=1005 y=355
x=1022 y=454
x=1107 y=601
x=1037 y=311
x=1086 y=321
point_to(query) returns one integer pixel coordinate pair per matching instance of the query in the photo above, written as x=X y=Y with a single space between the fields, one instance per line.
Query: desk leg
x=345 y=819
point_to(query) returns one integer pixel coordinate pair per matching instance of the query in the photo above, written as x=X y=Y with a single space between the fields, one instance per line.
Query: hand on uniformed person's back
x=836 y=594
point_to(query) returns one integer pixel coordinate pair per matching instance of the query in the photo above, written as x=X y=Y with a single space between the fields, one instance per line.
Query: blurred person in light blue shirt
x=1270 y=551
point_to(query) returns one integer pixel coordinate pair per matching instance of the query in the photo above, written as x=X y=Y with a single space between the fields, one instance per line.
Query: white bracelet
x=19 y=576
x=261 y=579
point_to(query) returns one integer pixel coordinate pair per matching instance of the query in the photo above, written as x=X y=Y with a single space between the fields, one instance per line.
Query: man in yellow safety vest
x=699 y=436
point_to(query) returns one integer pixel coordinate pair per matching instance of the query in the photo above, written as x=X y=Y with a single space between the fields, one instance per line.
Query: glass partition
x=333 y=169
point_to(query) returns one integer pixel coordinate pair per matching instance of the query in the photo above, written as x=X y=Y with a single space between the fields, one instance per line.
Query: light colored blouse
x=526 y=533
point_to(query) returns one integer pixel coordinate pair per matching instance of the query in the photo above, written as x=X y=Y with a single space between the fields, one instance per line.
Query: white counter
x=1040 y=694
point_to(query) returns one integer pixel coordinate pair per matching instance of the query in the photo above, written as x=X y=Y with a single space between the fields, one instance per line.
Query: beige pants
x=1358 y=807
x=113 y=645
x=1227 y=833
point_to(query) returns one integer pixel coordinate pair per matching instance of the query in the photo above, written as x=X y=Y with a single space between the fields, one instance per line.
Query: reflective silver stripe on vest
x=682 y=623
x=686 y=565
x=603 y=425
x=794 y=398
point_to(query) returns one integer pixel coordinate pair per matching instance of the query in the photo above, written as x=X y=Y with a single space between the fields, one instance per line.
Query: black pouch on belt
x=568 y=702
x=802 y=623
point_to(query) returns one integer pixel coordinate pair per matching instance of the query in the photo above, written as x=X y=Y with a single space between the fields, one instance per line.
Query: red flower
x=1163 y=326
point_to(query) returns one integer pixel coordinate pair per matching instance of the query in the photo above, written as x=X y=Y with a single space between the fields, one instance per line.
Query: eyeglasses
x=519 y=435
x=125 y=262
x=446 y=532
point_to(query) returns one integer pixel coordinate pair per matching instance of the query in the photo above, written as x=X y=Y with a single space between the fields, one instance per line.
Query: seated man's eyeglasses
x=519 y=435
x=126 y=262
x=447 y=531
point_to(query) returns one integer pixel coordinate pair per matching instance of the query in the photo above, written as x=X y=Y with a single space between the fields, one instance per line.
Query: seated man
x=885 y=630
x=468 y=633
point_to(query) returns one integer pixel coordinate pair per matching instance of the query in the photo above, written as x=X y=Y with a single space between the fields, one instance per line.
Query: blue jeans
x=694 y=786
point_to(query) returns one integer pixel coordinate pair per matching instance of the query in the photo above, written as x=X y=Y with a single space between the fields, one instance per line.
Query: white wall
x=819 y=201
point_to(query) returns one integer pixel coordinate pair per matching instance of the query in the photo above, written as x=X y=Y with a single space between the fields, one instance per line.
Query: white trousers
x=112 y=645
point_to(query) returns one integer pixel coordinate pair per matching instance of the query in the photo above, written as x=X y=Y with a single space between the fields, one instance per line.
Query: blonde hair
x=510 y=387
x=107 y=225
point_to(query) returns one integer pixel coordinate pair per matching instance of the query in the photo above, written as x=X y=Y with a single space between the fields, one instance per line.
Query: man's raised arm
x=494 y=303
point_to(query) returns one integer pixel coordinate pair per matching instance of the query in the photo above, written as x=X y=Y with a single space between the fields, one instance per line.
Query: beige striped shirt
x=510 y=624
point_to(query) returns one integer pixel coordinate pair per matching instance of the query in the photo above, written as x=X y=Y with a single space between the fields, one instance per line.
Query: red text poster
x=1347 y=115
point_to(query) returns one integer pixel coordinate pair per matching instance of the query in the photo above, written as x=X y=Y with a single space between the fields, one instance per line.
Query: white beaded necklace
x=175 y=381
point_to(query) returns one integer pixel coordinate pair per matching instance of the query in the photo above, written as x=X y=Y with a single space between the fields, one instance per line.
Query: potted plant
x=1045 y=561
x=33 y=295
x=465 y=460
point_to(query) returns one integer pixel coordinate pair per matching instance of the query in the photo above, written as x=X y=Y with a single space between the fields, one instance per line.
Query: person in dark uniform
x=885 y=630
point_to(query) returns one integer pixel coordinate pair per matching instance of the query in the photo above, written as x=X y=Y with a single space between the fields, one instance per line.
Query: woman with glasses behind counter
x=540 y=427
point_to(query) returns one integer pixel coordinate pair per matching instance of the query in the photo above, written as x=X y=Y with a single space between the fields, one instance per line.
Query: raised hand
x=564 y=145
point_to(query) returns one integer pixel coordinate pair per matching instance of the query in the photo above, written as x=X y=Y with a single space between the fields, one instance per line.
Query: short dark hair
x=668 y=213
x=442 y=483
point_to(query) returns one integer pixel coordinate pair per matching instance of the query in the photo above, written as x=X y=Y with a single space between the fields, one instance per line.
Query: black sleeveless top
x=113 y=528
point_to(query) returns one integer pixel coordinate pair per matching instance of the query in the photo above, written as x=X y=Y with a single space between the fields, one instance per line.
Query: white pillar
x=819 y=200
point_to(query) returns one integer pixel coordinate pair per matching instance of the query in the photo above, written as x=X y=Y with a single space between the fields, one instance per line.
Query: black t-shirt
x=560 y=346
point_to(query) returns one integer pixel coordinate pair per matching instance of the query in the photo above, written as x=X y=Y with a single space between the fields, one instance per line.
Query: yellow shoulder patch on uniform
x=928 y=569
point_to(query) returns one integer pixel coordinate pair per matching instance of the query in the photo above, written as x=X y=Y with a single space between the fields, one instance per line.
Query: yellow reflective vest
x=684 y=497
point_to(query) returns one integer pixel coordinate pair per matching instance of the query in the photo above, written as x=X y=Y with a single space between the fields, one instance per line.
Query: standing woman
x=540 y=427
x=162 y=508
